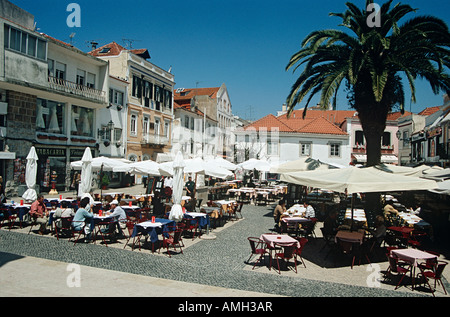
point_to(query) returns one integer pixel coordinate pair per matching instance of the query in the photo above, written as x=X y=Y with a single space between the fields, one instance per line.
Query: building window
x=386 y=140
x=81 y=77
x=335 y=149
x=133 y=125
x=359 y=138
x=25 y=43
x=117 y=134
x=405 y=139
x=305 y=149
x=90 y=80
x=82 y=121
x=50 y=116
x=272 y=147
x=115 y=97
x=157 y=125
x=166 y=128
x=145 y=125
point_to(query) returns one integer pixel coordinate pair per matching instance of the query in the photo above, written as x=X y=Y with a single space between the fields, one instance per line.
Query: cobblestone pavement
x=219 y=262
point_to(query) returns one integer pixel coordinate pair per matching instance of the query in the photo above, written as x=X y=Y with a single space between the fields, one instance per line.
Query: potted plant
x=105 y=181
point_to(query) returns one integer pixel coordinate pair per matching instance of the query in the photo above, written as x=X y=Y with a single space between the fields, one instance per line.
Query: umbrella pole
x=353 y=200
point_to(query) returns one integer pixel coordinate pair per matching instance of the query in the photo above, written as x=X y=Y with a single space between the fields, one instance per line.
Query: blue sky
x=245 y=44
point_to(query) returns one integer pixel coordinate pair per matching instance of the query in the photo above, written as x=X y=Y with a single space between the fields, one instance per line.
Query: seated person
x=389 y=210
x=190 y=205
x=83 y=214
x=310 y=212
x=119 y=214
x=62 y=212
x=39 y=211
x=278 y=212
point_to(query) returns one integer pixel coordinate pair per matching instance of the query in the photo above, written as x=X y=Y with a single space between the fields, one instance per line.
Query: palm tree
x=372 y=61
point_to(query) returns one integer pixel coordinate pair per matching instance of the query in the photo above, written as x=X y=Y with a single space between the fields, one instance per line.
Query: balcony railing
x=76 y=89
x=154 y=139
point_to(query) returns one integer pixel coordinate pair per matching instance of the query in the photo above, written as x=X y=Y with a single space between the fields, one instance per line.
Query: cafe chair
x=429 y=264
x=78 y=229
x=287 y=253
x=172 y=239
x=239 y=210
x=11 y=215
x=298 y=251
x=258 y=247
x=130 y=227
x=395 y=266
x=105 y=229
x=191 y=225
x=352 y=249
x=66 y=227
x=33 y=223
x=435 y=274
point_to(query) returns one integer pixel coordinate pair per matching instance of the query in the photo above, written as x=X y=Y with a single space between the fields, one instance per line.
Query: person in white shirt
x=120 y=215
x=310 y=212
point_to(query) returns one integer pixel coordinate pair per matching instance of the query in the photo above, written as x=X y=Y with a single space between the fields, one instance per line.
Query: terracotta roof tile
x=189 y=93
x=317 y=125
x=113 y=49
x=428 y=111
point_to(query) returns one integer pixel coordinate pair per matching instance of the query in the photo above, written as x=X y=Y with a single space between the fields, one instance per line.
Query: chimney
x=283 y=107
x=94 y=45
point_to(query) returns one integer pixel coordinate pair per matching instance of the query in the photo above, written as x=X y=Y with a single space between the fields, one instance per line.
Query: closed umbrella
x=86 y=173
x=30 y=175
x=176 y=213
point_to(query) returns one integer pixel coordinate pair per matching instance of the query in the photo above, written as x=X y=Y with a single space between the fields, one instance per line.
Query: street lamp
x=105 y=132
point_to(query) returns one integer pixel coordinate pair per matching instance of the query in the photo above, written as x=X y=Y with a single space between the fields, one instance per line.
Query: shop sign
x=434 y=132
x=51 y=152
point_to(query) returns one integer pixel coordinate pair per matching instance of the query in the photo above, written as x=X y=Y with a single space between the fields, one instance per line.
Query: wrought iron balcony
x=76 y=89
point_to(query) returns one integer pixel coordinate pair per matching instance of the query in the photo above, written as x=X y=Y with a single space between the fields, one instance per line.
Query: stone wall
x=21 y=131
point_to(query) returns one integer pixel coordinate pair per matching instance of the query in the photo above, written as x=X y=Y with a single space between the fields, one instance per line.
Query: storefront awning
x=362 y=158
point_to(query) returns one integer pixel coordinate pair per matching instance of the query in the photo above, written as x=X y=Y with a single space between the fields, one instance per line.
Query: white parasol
x=86 y=173
x=176 y=213
x=30 y=175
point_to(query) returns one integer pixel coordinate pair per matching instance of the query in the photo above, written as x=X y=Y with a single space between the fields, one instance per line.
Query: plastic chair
x=258 y=247
x=288 y=252
x=173 y=239
x=436 y=274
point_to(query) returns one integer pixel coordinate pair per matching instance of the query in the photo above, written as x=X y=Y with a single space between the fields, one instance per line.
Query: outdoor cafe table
x=350 y=236
x=18 y=209
x=413 y=220
x=413 y=256
x=153 y=228
x=271 y=239
x=295 y=219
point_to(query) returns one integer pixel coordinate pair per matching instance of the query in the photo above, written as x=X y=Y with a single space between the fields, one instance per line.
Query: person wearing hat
x=119 y=214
